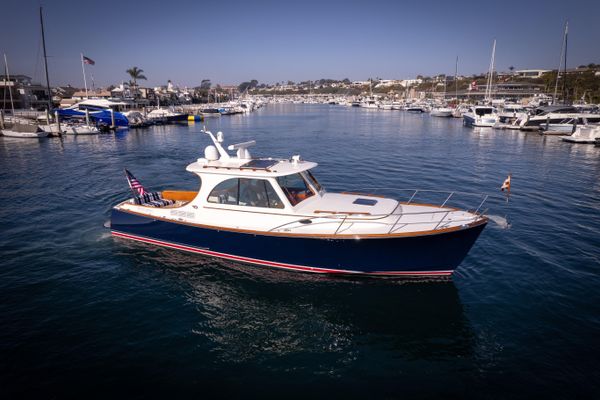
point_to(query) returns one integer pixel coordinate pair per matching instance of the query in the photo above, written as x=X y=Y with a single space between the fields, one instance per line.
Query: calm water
x=84 y=314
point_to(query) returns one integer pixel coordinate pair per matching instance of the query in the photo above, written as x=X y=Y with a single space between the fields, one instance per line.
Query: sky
x=233 y=41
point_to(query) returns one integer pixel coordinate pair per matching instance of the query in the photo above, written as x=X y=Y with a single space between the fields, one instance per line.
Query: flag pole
x=84 y=80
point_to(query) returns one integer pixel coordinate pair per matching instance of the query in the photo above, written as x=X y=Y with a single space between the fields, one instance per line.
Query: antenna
x=217 y=142
x=242 y=149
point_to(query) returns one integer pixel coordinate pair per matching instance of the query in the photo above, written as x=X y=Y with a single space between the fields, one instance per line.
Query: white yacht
x=559 y=119
x=481 y=116
x=445 y=112
x=274 y=213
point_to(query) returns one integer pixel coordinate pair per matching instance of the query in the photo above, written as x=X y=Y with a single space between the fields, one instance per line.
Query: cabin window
x=296 y=189
x=225 y=192
x=246 y=192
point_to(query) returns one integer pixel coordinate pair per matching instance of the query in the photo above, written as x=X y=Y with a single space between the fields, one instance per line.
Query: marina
x=332 y=200
x=203 y=316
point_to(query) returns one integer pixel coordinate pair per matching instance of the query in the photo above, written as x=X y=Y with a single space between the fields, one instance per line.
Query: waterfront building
x=25 y=93
x=531 y=73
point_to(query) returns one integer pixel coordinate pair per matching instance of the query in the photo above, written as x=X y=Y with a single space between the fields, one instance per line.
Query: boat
x=558 y=118
x=509 y=113
x=23 y=130
x=209 y=112
x=445 y=112
x=480 y=116
x=460 y=110
x=71 y=128
x=274 y=213
x=165 y=115
x=19 y=128
x=588 y=134
x=101 y=111
x=416 y=109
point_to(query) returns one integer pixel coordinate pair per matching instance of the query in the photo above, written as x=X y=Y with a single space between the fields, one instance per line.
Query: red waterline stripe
x=271 y=263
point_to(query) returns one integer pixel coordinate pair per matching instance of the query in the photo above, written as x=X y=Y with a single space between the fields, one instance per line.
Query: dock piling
x=112 y=118
x=57 y=123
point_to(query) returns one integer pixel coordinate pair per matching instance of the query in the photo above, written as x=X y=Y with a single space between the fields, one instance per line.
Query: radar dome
x=211 y=153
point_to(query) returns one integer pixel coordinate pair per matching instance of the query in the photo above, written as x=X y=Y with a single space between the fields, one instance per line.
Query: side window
x=253 y=193
x=272 y=197
x=225 y=192
x=245 y=192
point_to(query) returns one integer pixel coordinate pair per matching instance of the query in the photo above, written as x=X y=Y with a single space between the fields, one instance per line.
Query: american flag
x=89 y=61
x=134 y=184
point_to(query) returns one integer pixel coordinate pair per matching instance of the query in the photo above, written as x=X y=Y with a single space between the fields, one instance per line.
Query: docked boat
x=274 y=213
x=558 y=119
x=480 y=116
x=588 y=134
x=23 y=130
x=418 y=109
x=444 y=112
x=100 y=111
x=509 y=113
x=71 y=128
x=165 y=115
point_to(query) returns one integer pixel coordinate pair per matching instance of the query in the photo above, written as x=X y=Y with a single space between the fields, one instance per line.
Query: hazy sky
x=232 y=41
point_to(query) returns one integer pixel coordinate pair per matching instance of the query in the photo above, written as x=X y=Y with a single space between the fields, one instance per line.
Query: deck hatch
x=259 y=164
x=365 y=202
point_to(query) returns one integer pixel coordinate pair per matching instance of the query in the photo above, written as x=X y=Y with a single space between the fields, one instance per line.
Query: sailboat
x=20 y=128
x=442 y=110
x=484 y=116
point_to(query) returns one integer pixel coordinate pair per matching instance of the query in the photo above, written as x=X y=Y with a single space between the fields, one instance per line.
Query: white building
x=531 y=73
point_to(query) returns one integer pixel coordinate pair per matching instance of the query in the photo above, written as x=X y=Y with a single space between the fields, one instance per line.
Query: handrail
x=383 y=219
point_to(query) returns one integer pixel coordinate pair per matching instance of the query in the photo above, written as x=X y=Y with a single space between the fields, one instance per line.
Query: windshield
x=314 y=181
x=295 y=188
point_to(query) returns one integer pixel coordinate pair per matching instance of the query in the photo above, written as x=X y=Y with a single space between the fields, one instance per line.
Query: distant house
x=25 y=94
x=98 y=94
x=531 y=73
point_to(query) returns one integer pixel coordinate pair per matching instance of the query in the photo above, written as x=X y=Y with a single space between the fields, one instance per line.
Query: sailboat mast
x=562 y=52
x=46 y=61
x=456 y=80
x=488 y=91
x=564 y=90
x=7 y=78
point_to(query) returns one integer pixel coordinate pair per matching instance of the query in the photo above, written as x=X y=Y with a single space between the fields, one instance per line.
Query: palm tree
x=136 y=73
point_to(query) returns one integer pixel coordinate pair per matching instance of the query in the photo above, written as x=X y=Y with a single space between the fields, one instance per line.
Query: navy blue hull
x=437 y=254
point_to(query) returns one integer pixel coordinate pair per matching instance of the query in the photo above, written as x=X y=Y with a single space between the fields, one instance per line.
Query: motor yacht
x=558 y=119
x=480 y=116
x=100 y=111
x=444 y=112
x=274 y=213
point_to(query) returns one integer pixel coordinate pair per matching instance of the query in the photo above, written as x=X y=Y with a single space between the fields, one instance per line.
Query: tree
x=136 y=74
x=511 y=69
x=205 y=84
